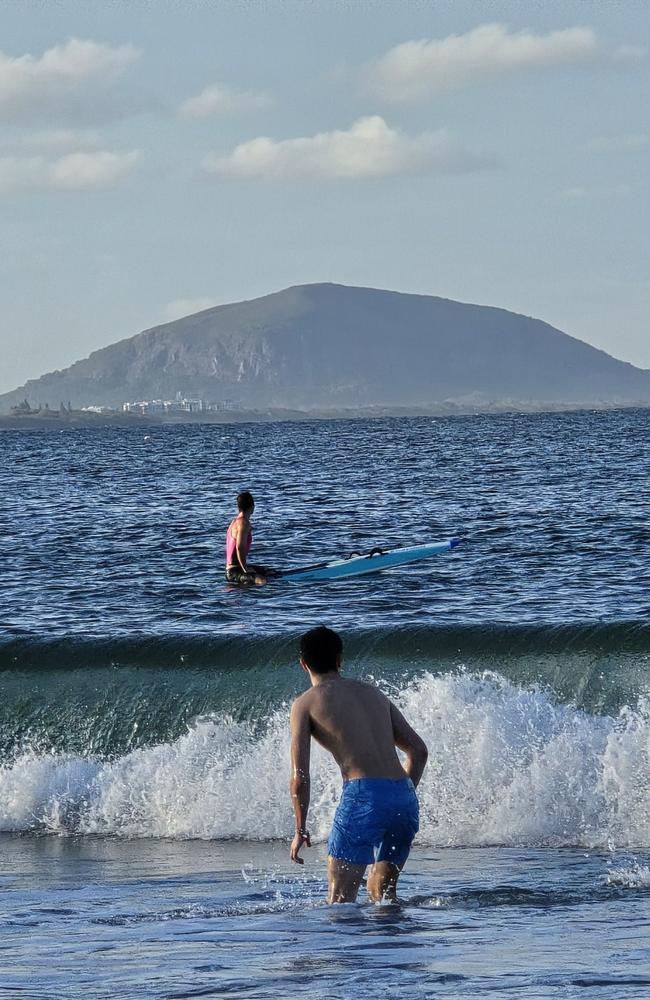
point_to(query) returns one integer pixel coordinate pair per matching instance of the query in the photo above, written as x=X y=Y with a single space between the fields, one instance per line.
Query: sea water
x=144 y=814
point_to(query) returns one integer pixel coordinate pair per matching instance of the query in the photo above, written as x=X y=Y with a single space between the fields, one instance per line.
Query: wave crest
x=508 y=765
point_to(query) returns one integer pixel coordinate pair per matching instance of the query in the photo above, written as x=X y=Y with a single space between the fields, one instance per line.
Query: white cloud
x=581 y=193
x=80 y=171
x=219 y=99
x=630 y=143
x=56 y=140
x=186 y=307
x=369 y=148
x=629 y=54
x=72 y=79
x=415 y=69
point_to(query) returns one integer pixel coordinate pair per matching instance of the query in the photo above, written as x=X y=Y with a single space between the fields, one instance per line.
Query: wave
x=508 y=766
x=109 y=696
x=189 y=650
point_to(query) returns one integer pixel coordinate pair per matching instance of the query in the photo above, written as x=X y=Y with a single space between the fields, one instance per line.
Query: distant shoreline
x=79 y=418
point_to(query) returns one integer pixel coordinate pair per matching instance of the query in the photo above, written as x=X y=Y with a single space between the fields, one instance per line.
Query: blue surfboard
x=372 y=562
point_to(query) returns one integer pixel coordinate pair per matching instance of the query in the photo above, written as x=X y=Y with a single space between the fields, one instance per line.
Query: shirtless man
x=239 y=539
x=377 y=816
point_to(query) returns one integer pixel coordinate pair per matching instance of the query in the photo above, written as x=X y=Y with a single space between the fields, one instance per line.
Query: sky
x=157 y=158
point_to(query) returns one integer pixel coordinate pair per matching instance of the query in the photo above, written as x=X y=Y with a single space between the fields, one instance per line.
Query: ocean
x=144 y=811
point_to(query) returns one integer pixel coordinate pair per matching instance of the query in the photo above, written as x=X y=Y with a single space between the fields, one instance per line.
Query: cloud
x=219 y=99
x=55 y=140
x=416 y=69
x=580 y=193
x=80 y=171
x=186 y=307
x=626 y=55
x=630 y=143
x=72 y=80
x=369 y=148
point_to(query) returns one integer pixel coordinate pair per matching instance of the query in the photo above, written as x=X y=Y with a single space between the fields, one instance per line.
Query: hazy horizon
x=156 y=161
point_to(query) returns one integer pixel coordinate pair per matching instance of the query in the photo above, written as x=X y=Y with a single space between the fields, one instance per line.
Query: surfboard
x=375 y=561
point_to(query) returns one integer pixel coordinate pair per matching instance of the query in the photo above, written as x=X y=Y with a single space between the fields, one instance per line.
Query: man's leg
x=344 y=880
x=382 y=881
x=267 y=572
x=241 y=579
x=258 y=575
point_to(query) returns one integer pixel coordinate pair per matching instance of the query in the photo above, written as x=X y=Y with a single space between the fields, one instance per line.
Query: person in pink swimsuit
x=239 y=539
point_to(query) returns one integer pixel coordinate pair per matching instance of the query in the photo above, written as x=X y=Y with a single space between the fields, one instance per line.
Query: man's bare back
x=356 y=723
x=377 y=816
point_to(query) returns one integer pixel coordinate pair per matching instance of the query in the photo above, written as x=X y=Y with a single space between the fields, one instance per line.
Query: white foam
x=507 y=766
x=633 y=876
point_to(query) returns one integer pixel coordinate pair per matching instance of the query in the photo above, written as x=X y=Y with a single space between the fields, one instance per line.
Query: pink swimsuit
x=231 y=544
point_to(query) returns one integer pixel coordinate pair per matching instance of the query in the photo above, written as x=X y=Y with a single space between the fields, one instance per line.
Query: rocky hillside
x=333 y=346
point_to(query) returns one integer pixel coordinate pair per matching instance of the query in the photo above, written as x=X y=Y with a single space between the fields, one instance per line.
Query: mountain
x=325 y=345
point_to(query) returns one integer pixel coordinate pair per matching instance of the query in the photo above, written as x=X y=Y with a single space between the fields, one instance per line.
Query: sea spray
x=629 y=876
x=508 y=765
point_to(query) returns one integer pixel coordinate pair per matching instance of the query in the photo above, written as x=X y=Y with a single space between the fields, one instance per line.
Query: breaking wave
x=509 y=765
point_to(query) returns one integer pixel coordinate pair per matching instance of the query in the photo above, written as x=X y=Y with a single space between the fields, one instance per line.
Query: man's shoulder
x=301 y=703
x=366 y=687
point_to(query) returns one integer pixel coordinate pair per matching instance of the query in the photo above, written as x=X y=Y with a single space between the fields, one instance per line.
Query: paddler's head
x=245 y=503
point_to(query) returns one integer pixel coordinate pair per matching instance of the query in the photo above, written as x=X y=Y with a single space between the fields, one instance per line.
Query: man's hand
x=302 y=837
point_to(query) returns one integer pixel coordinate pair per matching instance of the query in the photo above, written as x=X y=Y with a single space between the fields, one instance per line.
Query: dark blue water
x=143 y=718
x=114 y=533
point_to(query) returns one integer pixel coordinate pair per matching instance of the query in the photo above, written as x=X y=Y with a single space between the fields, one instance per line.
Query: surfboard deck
x=371 y=562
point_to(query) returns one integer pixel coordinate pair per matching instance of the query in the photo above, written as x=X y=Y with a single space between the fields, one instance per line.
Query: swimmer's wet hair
x=321 y=648
x=245 y=501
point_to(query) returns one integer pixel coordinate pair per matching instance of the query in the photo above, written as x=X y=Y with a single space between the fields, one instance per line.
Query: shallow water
x=165 y=919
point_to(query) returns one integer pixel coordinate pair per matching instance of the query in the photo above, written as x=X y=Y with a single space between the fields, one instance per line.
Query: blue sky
x=157 y=158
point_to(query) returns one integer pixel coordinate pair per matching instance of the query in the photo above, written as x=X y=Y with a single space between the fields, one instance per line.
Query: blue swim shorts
x=376 y=820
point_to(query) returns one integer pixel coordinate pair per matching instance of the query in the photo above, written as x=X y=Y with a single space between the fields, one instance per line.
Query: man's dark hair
x=245 y=501
x=320 y=648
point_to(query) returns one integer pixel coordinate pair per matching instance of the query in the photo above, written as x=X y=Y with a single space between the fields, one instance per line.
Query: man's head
x=245 y=502
x=320 y=650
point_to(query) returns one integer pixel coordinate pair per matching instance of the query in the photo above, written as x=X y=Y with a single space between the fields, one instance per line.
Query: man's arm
x=299 y=783
x=408 y=740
